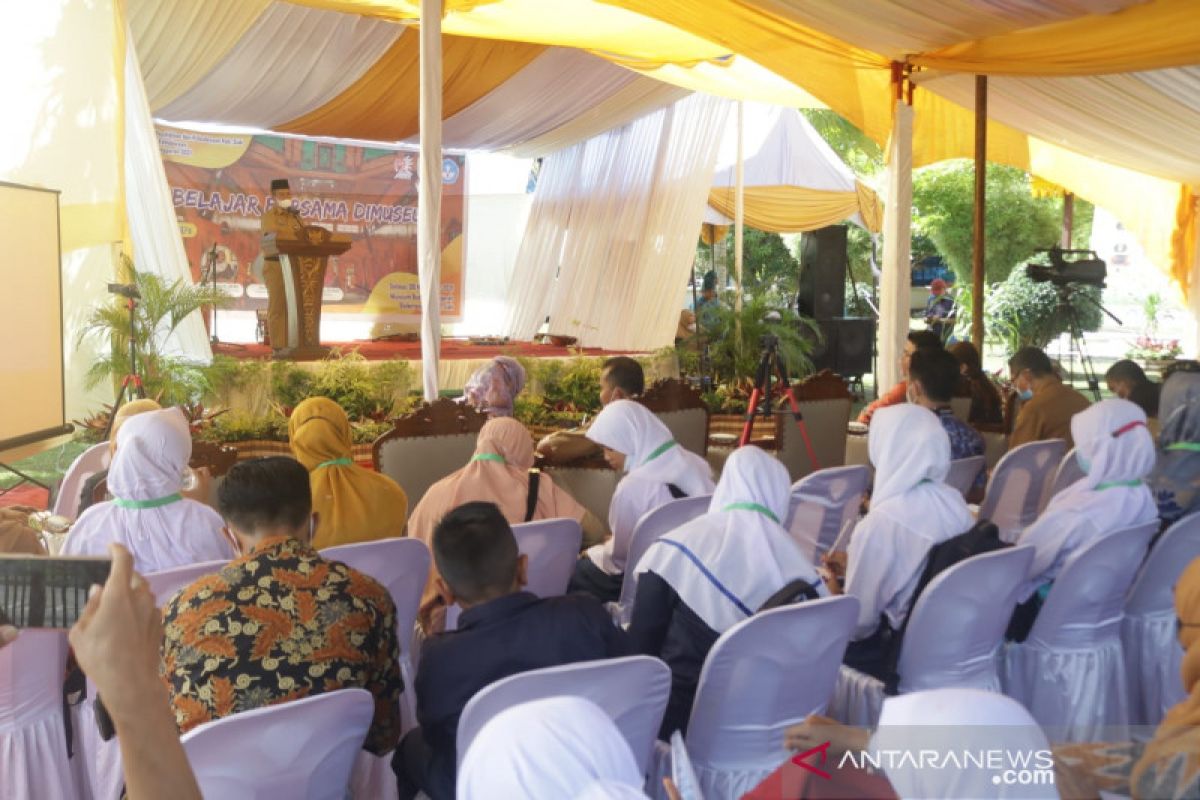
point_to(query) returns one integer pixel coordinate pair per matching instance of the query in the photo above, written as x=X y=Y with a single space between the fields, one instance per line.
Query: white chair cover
x=1068 y=472
x=302 y=749
x=1014 y=493
x=552 y=548
x=826 y=421
x=964 y=472
x=98 y=769
x=653 y=525
x=822 y=504
x=1148 y=633
x=85 y=465
x=165 y=583
x=749 y=691
x=1070 y=671
x=974 y=599
x=33 y=740
x=633 y=691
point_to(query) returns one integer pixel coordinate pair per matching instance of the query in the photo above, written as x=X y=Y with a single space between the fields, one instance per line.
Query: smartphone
x=41 y=592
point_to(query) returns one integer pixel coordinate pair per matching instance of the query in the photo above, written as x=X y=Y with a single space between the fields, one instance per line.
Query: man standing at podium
x=279 y=219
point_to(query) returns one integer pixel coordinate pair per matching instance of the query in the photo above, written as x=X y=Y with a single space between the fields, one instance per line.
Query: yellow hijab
x=353 y=504
x=1174 y=752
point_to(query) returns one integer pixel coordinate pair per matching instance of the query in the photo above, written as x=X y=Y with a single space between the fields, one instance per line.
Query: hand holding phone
x=41 y=592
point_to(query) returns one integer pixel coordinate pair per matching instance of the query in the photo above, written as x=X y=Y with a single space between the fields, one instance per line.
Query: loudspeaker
x=847 y=345
x=823 y=273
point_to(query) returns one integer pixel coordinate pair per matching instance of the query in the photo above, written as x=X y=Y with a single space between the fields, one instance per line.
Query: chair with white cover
x=1148 y=633
x=427 y=445
x=85 y=465
x=299 y=749
x=954 y=636
x=1014 y=492
x=165 y=583
x=33 y=739
x=552 y=549
x=825 y=403
x=632 y=690
x=823 y=503
x=1070 y=671
x=964 y=472
x=650 y=528
x=1068 y=472
x=760 y=677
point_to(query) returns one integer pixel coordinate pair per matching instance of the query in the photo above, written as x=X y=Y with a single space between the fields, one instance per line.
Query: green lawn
x=47 y=467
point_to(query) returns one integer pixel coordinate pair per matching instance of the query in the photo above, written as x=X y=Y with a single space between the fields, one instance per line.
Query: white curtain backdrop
x=292 y=60
x=157 y=246
x=613 y=230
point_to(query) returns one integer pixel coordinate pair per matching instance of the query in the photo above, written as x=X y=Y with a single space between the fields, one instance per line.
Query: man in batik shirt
x=281 y=622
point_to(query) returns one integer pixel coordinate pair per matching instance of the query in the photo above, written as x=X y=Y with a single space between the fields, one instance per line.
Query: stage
x=459 y=357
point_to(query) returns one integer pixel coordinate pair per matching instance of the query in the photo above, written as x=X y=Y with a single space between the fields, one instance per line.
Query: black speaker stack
x=847 y=342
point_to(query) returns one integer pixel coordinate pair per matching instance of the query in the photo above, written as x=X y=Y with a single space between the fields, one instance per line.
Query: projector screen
x=32 y=404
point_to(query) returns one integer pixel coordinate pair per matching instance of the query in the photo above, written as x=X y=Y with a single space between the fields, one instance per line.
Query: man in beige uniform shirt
x=279 y=219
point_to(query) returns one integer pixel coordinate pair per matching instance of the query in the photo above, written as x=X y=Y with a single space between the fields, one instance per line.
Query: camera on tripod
x=1089 y=270
x=127 y=290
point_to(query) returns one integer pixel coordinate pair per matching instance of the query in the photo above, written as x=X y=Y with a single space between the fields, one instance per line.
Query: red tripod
x=771 y=367
x=131 y=384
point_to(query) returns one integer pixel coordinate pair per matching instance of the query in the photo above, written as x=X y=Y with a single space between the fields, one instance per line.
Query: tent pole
x=429 y=196
x=896 y=276
x=1068 y=222
x=739 y=204
x=977 y=261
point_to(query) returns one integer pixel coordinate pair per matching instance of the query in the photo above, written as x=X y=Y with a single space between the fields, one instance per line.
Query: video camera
x=1089 y=270
x=127 y=290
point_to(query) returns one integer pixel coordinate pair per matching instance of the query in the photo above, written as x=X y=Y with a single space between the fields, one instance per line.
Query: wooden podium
x=303 y=261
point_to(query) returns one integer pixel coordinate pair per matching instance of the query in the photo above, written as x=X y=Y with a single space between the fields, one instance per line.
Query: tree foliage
x=1020 y=312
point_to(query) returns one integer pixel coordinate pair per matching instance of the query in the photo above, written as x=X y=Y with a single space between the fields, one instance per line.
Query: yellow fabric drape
x=352 y=503
x=711 y=234
x=1184 y=239
x=179 y=41
x=1154 y=35
x=789 y=209
x=382 y=104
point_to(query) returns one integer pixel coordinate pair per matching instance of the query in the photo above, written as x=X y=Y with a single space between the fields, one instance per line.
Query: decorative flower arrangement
x=1150 y=348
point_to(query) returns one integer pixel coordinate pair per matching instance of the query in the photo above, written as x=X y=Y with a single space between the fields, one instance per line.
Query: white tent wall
x=62 y=130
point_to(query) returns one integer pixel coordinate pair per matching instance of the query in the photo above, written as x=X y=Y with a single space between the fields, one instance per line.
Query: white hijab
x=653 y=459
x=958 y=722
x=551 y=749
x=147 y=515
x=725 y=564
x=912 y=509
x=1116 y=451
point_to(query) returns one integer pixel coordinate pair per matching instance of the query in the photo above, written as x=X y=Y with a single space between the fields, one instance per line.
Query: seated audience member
x=703 y=578
x=1175 y=481
x=1115 y=452
x=352 y=503
x=621 y=378
x=912 y=509
x=657 y=471
x=502 y=631
x=494 y=386
x=559 y=747
x=499 y=473
x=16 y=535
x=280 y=623
x=986 y=405
x=917 y=340
x=1128 y=381
x=1047 y=403
x=87 y=494
x=148 y=514
x=932 y=378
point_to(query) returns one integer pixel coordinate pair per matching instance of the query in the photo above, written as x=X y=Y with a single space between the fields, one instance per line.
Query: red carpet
x=452 y=349
x=26 y=495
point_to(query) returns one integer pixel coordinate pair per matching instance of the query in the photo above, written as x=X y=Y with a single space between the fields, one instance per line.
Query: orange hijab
x=1174 y=753
x=353 y=504
x=497 y=473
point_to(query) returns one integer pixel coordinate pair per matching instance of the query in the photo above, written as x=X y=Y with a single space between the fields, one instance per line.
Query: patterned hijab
x=494 y=386
x=1175 y=480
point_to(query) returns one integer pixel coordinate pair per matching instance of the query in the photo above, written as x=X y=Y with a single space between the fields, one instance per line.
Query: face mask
x=285 y=203
x=1084 y=464
x=1025 y=394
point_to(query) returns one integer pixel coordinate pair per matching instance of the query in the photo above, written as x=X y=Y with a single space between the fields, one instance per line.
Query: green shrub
x=1020 y=312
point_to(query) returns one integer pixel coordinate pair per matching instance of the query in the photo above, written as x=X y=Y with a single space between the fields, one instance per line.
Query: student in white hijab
x=708 y=575
x=552 y=749
x=148 y=514
x=657 y=471
x=912 y=509
x=1115 y=451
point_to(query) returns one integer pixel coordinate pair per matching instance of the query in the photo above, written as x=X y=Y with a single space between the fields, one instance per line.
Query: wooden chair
x=427 y=445
x=682 y=410
x=825 y=401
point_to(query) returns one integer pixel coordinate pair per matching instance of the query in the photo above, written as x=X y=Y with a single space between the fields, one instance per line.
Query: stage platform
x=459 y=357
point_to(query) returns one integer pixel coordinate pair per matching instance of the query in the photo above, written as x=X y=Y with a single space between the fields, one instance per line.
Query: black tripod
x=131 y=384
x=1067 y=293
x=771 y=367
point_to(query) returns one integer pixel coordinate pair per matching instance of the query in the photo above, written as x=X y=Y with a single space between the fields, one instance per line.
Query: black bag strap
x=676 y=492
x=793 y=592
x=535 y=476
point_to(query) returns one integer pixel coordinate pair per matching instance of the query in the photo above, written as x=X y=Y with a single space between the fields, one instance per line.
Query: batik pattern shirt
x=280 y=624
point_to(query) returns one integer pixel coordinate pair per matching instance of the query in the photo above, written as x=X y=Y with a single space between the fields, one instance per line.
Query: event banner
x=220 y=186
